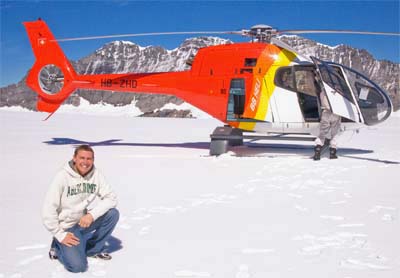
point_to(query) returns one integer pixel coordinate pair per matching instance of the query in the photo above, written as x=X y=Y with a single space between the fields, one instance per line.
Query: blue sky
x=89 y=18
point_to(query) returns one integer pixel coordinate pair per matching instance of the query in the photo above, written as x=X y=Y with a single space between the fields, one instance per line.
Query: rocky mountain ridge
x=123 y=57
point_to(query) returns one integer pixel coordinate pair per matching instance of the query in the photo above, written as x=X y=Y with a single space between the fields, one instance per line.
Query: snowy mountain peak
x=204 y=41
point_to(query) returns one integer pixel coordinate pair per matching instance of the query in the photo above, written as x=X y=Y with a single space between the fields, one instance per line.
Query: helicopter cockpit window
x=305 y=81
x=368 y=94
x=250 y=62
x=301 y=80
x=374 y=103
x=298 y=79
x=332 y=76
x=308 y=89
x=284 y=78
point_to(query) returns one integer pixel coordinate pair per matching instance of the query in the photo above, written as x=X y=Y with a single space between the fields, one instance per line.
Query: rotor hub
x=262 y=33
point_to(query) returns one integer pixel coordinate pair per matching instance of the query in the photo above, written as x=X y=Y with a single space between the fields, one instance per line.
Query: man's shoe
x=332 y=153
x=317 y=154
x=103 y=256
x=53 y=254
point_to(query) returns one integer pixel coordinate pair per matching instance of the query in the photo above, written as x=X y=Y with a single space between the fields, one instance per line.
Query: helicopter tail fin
x=52 y=75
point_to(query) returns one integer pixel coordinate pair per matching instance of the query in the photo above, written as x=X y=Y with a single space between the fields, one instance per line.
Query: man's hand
x=86 y=220
x=70 y=240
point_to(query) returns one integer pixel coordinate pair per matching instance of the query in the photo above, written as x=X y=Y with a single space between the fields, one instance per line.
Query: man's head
x=83 y=159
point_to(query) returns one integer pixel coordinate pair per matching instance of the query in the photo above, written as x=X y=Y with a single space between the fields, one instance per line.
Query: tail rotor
x=52 y=75
x=51 y=79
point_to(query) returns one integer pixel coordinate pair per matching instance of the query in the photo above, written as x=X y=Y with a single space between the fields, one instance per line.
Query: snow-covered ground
x=261 y=210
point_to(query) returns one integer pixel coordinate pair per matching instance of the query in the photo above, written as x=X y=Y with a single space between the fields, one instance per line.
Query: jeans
x=91 y=241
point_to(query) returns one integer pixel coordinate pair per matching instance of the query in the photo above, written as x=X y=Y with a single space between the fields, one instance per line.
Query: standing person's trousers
x=329 y=128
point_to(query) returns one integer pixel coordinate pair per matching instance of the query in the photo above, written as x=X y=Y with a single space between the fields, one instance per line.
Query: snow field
x=260 y=210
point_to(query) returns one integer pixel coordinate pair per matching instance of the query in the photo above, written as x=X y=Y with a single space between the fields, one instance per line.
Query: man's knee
x=76 y=266
x=113 y=215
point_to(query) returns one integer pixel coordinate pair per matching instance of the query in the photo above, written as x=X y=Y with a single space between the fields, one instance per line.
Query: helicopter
x=261 y=89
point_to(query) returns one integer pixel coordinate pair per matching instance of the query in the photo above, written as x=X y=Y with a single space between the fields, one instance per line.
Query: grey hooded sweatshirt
x=71 y=196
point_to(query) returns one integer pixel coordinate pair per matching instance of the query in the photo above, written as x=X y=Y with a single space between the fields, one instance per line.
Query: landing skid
x=224 y=137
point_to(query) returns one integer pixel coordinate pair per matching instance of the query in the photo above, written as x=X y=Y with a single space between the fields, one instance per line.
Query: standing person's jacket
x=71 y=196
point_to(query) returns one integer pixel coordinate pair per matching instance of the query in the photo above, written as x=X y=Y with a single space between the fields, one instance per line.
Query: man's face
x=83 y=161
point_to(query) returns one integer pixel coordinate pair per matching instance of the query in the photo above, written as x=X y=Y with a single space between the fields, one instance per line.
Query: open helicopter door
x=340 y=96
x=374 y=103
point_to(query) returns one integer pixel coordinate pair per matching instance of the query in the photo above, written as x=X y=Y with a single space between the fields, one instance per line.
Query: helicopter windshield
x=374 y=103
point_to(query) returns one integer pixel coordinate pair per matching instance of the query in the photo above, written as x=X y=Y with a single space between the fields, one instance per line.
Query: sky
x=91 y=18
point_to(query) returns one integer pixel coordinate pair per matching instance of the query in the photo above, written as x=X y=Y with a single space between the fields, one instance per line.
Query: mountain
x=123 y=57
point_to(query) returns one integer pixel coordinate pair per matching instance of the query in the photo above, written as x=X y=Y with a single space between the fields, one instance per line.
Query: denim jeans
x=91 y=241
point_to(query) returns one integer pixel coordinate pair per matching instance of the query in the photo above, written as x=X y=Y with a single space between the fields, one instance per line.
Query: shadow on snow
x=249 y=149
x=116 y=142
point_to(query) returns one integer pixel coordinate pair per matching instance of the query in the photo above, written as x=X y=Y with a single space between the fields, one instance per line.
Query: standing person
x=329 y=128
x=79 y=211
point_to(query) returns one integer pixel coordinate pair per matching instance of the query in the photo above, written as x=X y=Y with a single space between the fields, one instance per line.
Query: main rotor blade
x=337 y=32
x=242 y=32
x=146 y=34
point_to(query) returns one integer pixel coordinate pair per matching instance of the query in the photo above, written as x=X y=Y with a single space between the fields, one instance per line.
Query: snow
x=196 y=113
x=86 y=108
x=261 y=210
x=127 y=43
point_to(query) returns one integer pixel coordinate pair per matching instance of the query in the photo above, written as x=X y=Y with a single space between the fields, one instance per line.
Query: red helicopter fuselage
x=206 y=85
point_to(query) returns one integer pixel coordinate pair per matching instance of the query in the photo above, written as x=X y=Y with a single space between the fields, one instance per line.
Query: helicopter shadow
x=117 y=142
x=279 y=149
x=251 y=149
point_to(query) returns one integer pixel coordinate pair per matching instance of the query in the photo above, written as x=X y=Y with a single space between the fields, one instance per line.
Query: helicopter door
x=374 y=103
x=236 y=99
x=339 y=94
